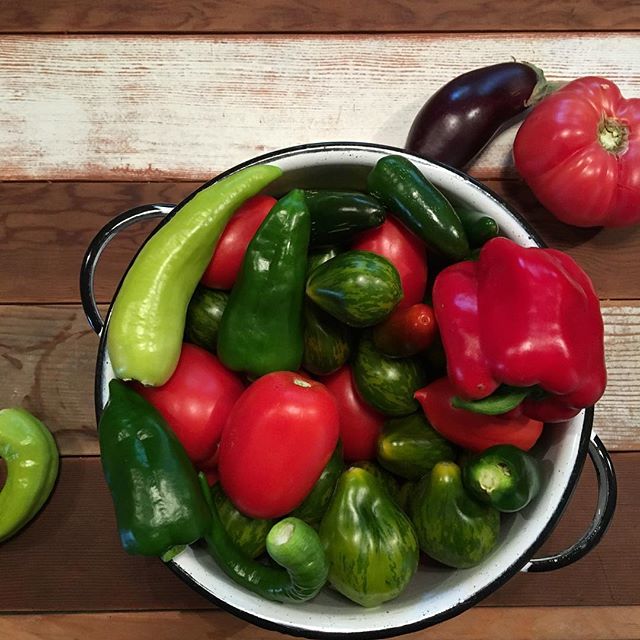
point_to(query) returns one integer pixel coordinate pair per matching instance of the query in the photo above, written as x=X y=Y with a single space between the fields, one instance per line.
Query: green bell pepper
x=262 y=325
x=157 y=498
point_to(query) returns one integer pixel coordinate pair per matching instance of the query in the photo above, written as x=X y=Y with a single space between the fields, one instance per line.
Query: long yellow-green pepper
x=146 y=325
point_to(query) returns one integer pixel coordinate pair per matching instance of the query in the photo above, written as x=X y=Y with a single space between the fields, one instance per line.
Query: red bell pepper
x=524 y=317
x=474 y=431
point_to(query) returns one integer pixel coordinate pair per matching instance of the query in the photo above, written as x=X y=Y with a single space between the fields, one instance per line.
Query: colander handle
x=97 y=246
x=607 y=496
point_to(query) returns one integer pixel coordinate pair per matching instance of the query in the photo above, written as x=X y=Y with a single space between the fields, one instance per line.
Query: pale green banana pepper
x=146 y=325
x=31 y=456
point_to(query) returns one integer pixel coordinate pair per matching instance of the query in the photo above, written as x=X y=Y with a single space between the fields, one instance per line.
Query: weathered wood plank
x=47 y=359
x=69 y=558
x=53 y=223
x=310 y=16
x=498 y=623
x=96 y=107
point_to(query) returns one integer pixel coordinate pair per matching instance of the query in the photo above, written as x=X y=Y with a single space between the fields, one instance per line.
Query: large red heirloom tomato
x=278 y=439
x=579 y=152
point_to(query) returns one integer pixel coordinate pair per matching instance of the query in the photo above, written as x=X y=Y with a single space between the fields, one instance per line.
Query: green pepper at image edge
x=154 y=487
x=32 y=460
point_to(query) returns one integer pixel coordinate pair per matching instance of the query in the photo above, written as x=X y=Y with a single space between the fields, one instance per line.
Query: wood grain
x=47 y=363
x=69 y=558
x=53 y=224
x=97 y=107
x=308 y=16
x=480 y=623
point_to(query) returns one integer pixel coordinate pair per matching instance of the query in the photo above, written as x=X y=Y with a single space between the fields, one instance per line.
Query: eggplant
x=460 y=119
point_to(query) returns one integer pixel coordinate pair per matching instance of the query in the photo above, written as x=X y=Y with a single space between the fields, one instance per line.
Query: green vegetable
x=410 y=447
x=319 y=256
x=452 y=527
x=502 y=400
x=315 y=504
x=249 y=534
x=336 y=216
x=477 y=227
x=503 y=476
x=387 y=384
x=32 y=460
x=358 y=288
x=146 y=324
x=419 y=205
x=262 y=327
x=326 y=341
x=387 y=480
x=154 y=487
x=291 y=543
x=369 y=541
x=203 y=317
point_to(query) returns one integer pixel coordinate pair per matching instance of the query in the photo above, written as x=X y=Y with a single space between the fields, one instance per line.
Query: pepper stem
x=613 y=135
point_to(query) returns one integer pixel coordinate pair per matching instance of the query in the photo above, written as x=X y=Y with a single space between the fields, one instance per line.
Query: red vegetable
x=406 y=331
x=360 y=425
x=579 y=152
x=522 y=317
x=196 y=401
x=474 y=431
x=405 y=251
x=227 y=257
x=278 y=439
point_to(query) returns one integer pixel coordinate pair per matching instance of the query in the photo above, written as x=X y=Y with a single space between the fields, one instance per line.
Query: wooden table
x=104 y=106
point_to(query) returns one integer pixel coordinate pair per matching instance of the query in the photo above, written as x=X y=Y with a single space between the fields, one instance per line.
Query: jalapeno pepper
x=262 y=325
x=503 y=476
x=158 y=501
x=147 y=321
x=31 y=455
x=419 y=205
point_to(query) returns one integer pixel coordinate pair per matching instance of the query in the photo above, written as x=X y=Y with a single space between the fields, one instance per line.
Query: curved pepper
x=524 y=317
x=31 y=455
x=157 y=498
x=146 y=324
x=261 y=330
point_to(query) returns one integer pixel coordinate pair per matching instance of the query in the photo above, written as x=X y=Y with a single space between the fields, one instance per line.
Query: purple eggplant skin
x=458 y=121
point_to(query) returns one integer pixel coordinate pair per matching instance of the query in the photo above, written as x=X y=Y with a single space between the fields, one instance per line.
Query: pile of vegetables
x=337 y=382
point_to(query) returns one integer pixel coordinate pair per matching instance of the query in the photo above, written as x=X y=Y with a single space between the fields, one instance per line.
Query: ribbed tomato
x=579 y=152
x=278 y=439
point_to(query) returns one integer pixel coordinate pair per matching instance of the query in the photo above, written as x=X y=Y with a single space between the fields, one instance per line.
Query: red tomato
x=227 y=258
x=405 y=251
x=579 y=152
x=196 y=401
x=470 y=430
x=278 y=439
x=406 y=332
x=360 y=425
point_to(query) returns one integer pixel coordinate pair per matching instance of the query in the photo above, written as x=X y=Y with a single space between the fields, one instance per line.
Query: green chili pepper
x=336 y=216
x=292 y=543
x=503 y=476
x=419 y=205
x=154 y=487
x=146 y=324
x=31 y=455
x=262 y=326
